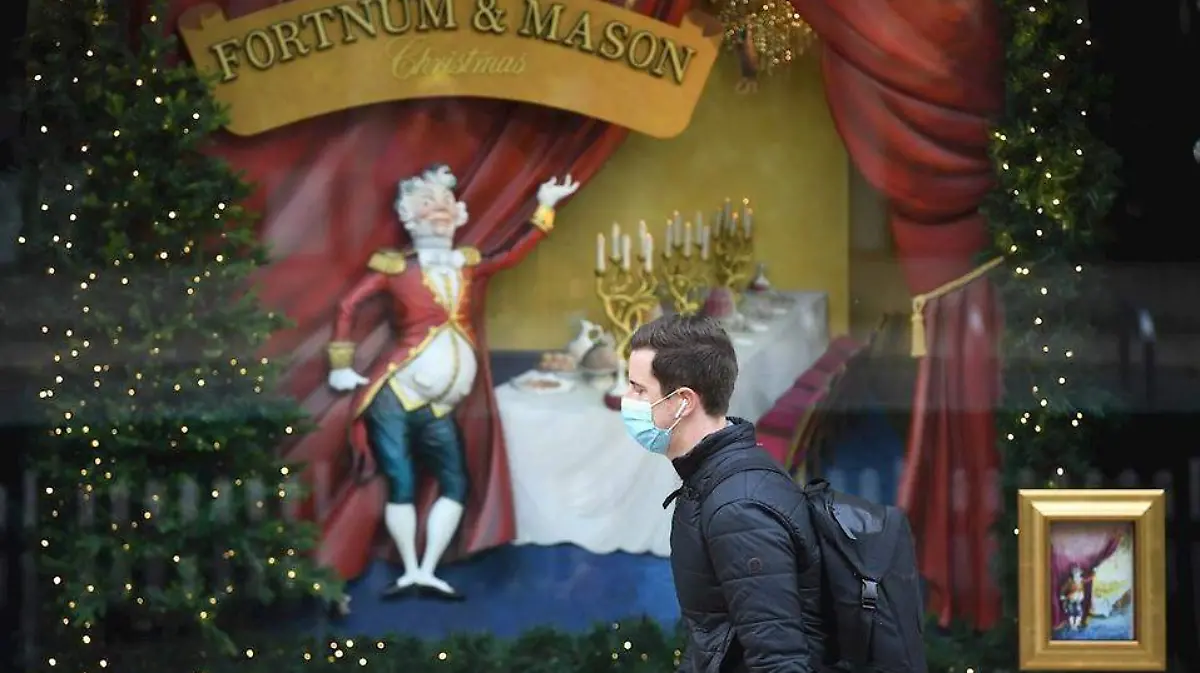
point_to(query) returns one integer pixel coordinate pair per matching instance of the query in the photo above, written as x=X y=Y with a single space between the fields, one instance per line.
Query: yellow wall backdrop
x=877 y=284
x=777 y=147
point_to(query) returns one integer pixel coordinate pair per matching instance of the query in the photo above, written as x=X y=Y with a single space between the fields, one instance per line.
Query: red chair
x=777 y=427
x=800 y=460
x=811 y=379
x=788 y=430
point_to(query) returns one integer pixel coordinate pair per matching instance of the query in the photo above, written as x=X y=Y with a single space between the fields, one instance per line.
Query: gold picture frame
x=1092 y=580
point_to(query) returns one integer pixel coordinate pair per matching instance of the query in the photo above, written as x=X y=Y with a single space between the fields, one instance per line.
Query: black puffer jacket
x=746 y=564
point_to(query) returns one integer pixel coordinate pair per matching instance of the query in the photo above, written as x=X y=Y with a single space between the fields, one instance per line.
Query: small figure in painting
x=1075 y=596
x=1092 y=567
x=419 y=416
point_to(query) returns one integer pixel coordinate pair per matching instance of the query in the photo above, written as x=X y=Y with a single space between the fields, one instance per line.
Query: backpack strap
x=750 y=461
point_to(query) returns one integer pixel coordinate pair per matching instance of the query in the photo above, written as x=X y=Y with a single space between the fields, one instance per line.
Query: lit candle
x=626 y=251
x=705 y=235
x=745 y=207
x=748 y=220
x=648 y=242
x=676 y=218
x=643 y=236
x=669 y=238
x=600 y=252
x=728 y=211
x=616 y=241
x=687 y=239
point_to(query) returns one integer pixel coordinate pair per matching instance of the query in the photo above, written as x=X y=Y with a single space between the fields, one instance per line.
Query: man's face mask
x=639 y=422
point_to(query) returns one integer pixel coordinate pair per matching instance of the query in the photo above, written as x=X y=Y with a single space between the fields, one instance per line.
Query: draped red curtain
x=325 y=189
x=1084 y=547
x=913 y=87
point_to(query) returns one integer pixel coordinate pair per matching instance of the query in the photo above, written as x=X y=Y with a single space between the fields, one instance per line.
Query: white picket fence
x=867 y=484
x=1183 y=554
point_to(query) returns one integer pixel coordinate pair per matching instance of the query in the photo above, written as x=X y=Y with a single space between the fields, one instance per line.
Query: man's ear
x=689 y=402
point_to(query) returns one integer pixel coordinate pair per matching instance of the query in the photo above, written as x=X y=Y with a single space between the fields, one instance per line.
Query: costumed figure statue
x=1075 y=597
x=409 y=411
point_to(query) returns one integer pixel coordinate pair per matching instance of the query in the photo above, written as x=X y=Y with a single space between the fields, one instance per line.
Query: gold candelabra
x=733 y=246
x=626 y=284
x=684 y=263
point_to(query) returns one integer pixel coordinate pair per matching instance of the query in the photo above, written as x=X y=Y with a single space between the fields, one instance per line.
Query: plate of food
x=542 y=383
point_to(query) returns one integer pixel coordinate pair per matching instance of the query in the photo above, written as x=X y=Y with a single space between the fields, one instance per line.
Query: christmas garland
x=629 y=646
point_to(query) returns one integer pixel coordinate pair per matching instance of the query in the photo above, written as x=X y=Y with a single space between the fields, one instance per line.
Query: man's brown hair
x=691 y=352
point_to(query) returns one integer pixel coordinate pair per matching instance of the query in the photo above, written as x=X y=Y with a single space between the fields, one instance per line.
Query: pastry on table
x=554 y=361
x=538 y=381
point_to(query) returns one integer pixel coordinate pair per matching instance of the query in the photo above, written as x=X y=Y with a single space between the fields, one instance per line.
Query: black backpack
x=872 y=585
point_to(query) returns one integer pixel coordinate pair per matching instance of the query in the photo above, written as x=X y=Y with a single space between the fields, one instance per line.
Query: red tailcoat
x=349 y=533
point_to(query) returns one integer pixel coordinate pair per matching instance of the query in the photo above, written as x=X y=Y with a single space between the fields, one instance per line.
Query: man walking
x=745 y=558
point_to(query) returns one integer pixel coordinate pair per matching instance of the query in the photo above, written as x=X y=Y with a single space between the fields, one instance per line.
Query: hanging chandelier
x=769 y=33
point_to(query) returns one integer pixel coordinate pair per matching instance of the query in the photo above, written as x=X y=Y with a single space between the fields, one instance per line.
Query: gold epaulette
x=471 y=255
x=390 y=262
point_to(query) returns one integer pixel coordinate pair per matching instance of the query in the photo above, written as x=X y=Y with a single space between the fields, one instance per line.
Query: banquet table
x=579 y=479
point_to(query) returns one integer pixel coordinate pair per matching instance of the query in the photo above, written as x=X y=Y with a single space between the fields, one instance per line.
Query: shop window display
x=400 y=448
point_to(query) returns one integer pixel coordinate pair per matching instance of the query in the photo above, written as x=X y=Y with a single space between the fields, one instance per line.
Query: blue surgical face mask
x=639 y=422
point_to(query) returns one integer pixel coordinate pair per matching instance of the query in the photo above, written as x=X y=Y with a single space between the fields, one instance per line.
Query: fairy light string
x=1056 y=183
x=159 y=495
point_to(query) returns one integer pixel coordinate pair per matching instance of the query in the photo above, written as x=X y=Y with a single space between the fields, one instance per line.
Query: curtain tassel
x=920 y=347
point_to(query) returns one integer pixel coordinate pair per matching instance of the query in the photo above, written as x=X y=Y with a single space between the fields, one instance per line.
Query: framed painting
x=1092 y=580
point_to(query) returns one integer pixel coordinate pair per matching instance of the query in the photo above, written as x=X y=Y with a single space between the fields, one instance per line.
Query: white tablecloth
x=577 y=476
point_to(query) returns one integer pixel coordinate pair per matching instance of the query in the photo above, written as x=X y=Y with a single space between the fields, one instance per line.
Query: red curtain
x=1083 y=547
x=913 y=87
x=325 y=188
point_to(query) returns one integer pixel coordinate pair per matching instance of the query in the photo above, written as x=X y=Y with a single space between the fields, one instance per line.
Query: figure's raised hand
x=346 y=379
x=552 y=191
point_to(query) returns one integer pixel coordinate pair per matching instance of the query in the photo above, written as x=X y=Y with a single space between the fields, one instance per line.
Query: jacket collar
x=738 y=434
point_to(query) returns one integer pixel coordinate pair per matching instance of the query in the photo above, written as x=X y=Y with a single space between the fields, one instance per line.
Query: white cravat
x=432 y=258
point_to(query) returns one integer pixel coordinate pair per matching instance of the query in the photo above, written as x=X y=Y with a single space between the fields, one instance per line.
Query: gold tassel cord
x=918 y=329
x=919 y=344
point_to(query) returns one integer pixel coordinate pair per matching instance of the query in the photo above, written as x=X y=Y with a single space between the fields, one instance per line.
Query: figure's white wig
x=434 y=177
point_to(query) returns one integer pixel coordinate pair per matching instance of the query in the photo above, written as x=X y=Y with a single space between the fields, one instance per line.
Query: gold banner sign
x=307 y=58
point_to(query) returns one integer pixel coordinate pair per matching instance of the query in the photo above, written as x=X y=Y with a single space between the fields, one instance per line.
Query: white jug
x=589 y=336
